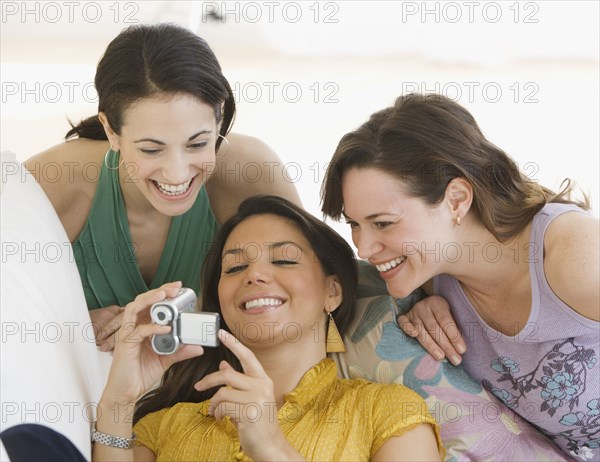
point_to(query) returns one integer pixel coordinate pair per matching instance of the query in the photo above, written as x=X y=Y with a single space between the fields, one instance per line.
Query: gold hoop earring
x=334 y=342
x=457 y=220
x=118 y=153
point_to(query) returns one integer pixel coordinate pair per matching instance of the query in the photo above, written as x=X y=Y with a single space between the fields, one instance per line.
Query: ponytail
x=90 y=128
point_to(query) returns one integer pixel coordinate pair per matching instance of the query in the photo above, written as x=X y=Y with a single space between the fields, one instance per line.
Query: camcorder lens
x=164 y=344
x=162 y=315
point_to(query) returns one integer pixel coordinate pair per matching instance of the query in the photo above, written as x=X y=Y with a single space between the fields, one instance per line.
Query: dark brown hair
x=426 y=141
x=146 y=60
x=334 y=255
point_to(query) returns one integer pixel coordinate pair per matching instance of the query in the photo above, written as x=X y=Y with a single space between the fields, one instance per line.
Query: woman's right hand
x=248 y=398
x=430 y=321
x=135 y=366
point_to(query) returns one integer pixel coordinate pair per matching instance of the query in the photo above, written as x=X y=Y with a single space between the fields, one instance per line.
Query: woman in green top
x=133 y=194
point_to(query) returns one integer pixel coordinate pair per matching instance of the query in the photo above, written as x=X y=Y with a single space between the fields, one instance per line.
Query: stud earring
x=457 y=220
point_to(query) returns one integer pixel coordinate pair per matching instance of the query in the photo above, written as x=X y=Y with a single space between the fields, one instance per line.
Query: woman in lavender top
x=432 y=203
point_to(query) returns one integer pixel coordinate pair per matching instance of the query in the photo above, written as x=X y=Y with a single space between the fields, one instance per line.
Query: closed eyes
x=237 y=268
x=194 y=146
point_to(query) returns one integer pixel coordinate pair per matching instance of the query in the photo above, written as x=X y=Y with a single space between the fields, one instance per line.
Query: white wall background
x=305 y=73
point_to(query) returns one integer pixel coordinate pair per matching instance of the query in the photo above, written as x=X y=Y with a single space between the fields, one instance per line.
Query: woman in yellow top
x=281 y=280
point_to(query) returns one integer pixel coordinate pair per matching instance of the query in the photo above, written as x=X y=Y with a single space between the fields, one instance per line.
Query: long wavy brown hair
x=426 y=141
x=334 y=255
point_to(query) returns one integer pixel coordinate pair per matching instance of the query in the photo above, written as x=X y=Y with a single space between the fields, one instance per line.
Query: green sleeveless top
x=105 y=254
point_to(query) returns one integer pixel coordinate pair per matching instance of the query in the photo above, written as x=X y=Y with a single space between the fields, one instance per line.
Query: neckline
x=312 y=383
x=533 y=279
x=533 y=311
x=123 y=222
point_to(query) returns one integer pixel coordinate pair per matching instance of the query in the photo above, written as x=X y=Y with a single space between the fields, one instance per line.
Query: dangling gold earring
x=118 y=153
x=334 y=342
x=457 y=220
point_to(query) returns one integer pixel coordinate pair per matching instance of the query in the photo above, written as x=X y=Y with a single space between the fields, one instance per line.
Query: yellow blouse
x=324 y=418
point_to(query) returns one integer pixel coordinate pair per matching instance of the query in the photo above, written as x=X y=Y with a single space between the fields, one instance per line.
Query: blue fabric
x=33 y=442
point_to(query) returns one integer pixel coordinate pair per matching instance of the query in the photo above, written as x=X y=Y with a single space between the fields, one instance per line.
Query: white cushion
x=51 y=369
x=3 y=454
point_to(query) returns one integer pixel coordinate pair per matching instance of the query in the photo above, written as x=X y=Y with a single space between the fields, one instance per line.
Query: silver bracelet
x=112 y=441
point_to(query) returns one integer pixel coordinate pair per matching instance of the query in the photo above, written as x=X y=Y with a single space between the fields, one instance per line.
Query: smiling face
x=167 y=144
x=401 y=235
x=272 y=287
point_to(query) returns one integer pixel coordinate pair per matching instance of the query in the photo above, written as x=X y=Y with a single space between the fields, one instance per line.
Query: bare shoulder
x=68 y=174
x=246 y=166
x=571 y=261
x=418 y=443
x=245 y=148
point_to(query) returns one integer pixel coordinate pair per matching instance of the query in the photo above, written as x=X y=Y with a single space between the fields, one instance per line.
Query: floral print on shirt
x=557 y=382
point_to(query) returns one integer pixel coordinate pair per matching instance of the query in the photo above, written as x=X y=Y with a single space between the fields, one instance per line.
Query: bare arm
x=571 y=262
x=68 y=174
x=134 y=369
x=419 y=444
x=246 y=167
x=143 y=454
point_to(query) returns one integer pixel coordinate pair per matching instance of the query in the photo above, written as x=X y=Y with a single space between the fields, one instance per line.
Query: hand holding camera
x=188 y=326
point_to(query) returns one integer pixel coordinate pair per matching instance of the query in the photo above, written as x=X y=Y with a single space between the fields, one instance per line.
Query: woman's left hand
x=430 y=321
x=106 y=321
x=249 y=400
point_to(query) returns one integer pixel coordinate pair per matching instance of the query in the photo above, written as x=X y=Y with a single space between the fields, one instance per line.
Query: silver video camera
x=188 y=326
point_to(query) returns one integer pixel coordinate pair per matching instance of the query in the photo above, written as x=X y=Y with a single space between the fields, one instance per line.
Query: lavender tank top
x=549 y=372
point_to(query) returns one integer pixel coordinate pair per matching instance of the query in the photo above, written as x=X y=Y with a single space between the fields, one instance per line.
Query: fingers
x=143 y=301
x=243 y=399
x=450 y=340
x=444 y=319
x=133 y=324
x=224 y=365
x=417 y=330
x=225 y=376
x=131 y=335
x=105 y=338
x=104 y=321
x=108 y=344
x=408 y=327
x=125 y=329
x=250 y=364
x=431 y=323
x=234 y=403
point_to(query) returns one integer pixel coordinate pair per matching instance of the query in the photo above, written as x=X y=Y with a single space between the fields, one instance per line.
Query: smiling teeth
x=174 y=190
x=390 y=264
x=262 y=302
